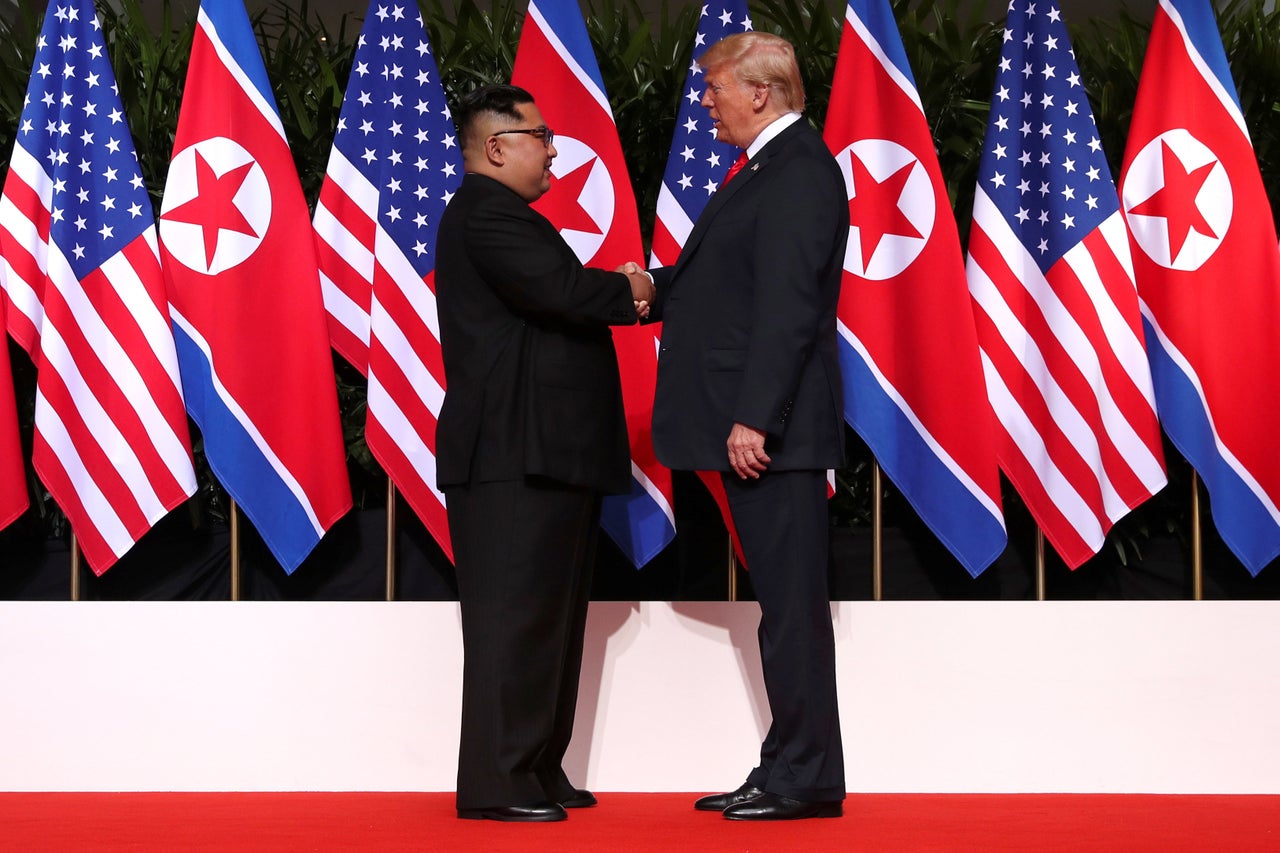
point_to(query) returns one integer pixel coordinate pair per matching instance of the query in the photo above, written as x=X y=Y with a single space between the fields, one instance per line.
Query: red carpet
x=634 y=822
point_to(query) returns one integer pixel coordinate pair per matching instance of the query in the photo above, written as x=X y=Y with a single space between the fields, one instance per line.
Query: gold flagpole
x=235 y=552
x=75 y=568
x=877 y=536
x=1197 y=543
x=391 y=540
x=1040 y=579
x=733 y=570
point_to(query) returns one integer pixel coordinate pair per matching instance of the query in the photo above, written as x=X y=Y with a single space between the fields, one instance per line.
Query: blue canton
x=698 y=162
x=1042 y=163
x=395 y=127
x=73 y=124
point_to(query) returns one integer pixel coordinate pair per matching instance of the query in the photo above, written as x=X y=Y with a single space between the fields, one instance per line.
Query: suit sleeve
x=661 y=283
x=537 y=275
x=796 y=234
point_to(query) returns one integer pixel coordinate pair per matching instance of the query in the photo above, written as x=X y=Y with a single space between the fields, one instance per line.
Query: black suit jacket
x=749 y=314
x=530 y=368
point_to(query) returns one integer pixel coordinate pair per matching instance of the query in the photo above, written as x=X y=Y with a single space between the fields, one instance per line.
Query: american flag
x=592 y=203
x=394 y=166
x=13 y=486
x=697 y=163
x=696 y=167
x=1051 y=278
x=1208 y=274
x=908 y=347
x=82 y=275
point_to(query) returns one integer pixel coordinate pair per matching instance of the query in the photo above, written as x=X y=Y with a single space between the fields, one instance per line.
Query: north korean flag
x=914 y=387
x=593 y=205
x=1208 y=274
x=244 y=291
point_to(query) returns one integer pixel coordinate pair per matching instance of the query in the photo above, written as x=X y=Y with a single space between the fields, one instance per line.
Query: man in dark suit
x=530 y=435
x=749 y=384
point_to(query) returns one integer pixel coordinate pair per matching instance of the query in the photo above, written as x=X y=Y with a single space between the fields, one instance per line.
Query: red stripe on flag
x=1023 y=386
x=100 y=381
x=414 y=488
x=24 y=267
x=13 y=484
x=56 y=479
x=344 y=209
x=99 y=466
x=29 y=204
x=398 y=309
x=161 y=387
x=404 y=393
x=666 y=250
x=344 y=276
x=21 y=258
x=1066 y=373
x=1118 y=281
x=1057 y=528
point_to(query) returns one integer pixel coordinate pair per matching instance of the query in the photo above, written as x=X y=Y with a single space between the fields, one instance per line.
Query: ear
x=493 y=151
x=760 y=96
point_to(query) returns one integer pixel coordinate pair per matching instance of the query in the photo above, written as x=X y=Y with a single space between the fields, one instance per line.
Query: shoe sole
x=833 y=810
x=481 y=814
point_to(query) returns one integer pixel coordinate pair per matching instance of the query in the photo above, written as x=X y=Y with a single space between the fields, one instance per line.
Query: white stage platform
x=951 y=697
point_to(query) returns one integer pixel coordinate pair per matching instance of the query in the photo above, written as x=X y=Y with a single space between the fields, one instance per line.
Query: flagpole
x=391 y=540
x=75 y=569
x=877 y=536
x=235 y=552
x=733 y=572
x=1197 y=543
x=1040 y=579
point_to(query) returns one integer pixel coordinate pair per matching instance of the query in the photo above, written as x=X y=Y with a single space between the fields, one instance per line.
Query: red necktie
x=735 y=169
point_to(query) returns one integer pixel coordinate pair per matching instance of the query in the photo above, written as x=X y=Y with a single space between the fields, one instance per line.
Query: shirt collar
x=764 y=137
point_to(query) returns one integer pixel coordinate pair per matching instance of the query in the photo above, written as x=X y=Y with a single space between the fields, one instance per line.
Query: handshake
x=642 y=290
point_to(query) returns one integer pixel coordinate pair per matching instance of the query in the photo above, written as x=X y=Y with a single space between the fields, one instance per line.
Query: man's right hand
x=642 y=289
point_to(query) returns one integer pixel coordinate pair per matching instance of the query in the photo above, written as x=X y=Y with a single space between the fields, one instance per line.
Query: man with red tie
x=749 y=385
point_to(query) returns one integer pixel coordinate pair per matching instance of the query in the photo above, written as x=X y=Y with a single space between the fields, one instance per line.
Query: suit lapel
x=722 y=197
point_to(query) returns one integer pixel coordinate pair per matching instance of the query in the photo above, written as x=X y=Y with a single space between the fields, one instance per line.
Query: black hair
x=499 y=99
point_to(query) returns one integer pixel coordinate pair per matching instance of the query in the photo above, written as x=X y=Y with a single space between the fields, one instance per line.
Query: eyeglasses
x=544 y=133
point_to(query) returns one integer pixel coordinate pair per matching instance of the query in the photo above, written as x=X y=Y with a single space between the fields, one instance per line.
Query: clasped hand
x=642 y=289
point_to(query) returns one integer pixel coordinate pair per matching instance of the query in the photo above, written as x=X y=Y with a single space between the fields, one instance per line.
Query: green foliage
x=953 y=59
x=473 y=45
x=950 y=44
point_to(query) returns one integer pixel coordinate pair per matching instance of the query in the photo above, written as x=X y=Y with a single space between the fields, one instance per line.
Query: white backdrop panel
x=1159 y=697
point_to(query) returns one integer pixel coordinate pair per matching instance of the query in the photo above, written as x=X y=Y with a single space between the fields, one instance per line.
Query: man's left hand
x=746 y=452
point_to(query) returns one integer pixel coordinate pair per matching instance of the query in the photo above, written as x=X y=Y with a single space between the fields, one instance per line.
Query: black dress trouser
x=523 y=551
x=782 y=522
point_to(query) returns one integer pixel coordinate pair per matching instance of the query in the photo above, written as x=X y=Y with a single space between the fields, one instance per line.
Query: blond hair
x=760 y=59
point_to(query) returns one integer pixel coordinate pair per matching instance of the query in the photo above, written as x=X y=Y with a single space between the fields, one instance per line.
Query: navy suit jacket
x=749 y=315
x=532 y=374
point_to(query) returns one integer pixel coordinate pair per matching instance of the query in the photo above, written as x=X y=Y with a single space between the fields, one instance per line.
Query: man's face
x=526 y=156
x=730 y=103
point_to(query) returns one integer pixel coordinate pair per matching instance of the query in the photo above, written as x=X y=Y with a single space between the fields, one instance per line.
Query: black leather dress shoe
x=580 y=799
x=774 y=807
x=538 y=812
x=720 y=802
